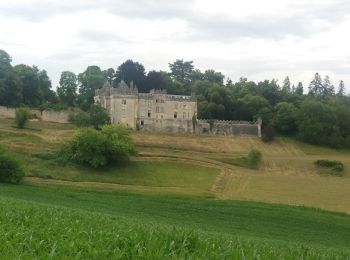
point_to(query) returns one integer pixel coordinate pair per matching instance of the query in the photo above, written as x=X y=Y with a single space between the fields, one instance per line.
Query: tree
x=67 y=91
x=98 y=116
x=181 y=71
x=22 y=116
x=214 y=77
x=285 y=120
x=316 y=86
x=341 y=89
x=156 y=80
x=299 y=90
x=286 y=85
x=45 y=91
x=109 y=75
x=98 y=148
x=328 y=88
x=90 y=80
x=315 y=122
x=131 y=71
x=29 y=84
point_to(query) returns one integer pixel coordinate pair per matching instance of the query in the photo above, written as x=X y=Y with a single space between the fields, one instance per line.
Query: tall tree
x=132 y=71
x=157 y=80
x=67 y=91
x=90 y=80
x=29 y=82
x=45 y=88
x=214 y=76
x=181 y=71
x=110 y=75
x=328 y=88
x=341 y=89
x=286 y=85
x=299 y=90
x=316 y=86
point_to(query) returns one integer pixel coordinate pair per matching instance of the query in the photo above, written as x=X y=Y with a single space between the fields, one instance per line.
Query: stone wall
x=46 y=115
x=223 y=127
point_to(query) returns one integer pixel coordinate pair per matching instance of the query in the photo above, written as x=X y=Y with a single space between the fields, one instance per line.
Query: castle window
x=156 y=100
x=161 y=101
x=124 y=101
x=162 y=109
x=149 y=113
x=175 y=114
x=142 y=122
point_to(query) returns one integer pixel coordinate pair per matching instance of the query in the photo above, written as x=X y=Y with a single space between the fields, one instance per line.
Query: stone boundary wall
x=226 y=127
x=46 y=115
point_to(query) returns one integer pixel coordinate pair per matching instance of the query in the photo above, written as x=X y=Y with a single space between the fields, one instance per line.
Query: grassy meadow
x=180 y=197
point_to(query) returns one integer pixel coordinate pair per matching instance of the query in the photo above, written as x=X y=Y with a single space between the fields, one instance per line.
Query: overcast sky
x=252 y=38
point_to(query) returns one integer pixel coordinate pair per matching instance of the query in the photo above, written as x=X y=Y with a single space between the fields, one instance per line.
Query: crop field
x=51 y=221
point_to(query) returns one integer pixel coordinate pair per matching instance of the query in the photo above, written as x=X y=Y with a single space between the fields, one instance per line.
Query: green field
x=56 y=221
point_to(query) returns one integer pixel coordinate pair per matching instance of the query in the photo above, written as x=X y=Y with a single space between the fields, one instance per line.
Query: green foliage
x=82 y=119
x=98 y=116
x=67 y=91
x=22 y=117
x=334 y=167
x=254 y=157
x=285 y=119
x=131 y=71
x=89 y=80
x=98 y=148
x=11 y=170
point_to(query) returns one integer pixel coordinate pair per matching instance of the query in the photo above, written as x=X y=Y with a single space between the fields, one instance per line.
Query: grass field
x=195 y=165
x=128 y=221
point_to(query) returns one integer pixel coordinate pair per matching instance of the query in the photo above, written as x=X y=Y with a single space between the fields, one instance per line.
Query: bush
x=11 y=170
x=96 y=116
x=98 y=148
x=254 y=157
x=22 y=117
x=82 y=119
x=336 y=167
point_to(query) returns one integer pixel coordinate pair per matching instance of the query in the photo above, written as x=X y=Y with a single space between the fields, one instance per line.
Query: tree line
x=320 y=116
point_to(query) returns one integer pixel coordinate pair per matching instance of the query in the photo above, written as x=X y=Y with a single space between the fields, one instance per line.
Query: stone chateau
x=159 y=111
x=154 y=111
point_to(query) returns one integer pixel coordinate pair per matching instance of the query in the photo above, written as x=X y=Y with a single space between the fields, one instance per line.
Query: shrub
x=335 y=167
x=254 y=157
x=11 y=170
x=96 y=116
x=82 y=119
x=22 y=117
x=98 y=148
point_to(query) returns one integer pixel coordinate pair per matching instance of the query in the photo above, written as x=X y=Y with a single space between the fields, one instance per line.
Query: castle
x=158 y=111
x=154 y=111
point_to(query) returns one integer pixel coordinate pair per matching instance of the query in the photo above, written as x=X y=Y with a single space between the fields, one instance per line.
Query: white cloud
x=252 y=38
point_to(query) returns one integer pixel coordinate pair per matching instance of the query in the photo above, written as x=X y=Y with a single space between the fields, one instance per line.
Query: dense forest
x=320 y=116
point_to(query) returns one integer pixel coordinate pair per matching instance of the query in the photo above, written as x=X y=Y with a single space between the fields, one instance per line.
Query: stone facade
x=158 y=111
x=154 y=111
